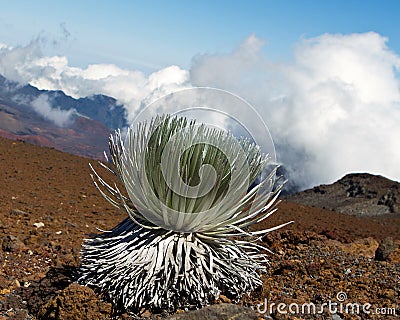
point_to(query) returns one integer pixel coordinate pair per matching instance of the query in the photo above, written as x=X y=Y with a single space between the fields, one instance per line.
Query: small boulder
x=385 y=248
x=17 y=212
x=11 y=244
x=363 y=247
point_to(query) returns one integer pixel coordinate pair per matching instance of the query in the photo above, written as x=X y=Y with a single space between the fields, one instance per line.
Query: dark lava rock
x=386 y=247
x=389 y=199
x=11 y=244
x=359 y=194
x=44 y=290
x=17 y=212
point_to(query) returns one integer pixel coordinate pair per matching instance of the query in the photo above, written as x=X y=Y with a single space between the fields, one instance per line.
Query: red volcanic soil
x=49 y=205
x=334 y=225
x=83 y=136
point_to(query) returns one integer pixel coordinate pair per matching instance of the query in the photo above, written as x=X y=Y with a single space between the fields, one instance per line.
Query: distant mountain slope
x=360 y=194
x=83 y=125
x=97 y=107
x=83 y=137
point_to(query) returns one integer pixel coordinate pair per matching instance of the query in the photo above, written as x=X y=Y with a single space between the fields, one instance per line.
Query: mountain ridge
x=78 y=126
x=98 y=107
x=359 y=194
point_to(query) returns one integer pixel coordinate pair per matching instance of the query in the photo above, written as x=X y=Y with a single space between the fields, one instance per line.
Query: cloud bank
x=334 y=109
x=44 y=107
x=130 y=87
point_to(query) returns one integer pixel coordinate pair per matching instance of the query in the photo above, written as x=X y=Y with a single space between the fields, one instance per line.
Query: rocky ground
x=49 y=205
x=355 y=194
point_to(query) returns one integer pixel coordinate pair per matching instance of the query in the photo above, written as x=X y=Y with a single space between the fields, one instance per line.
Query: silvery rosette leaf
x=191 y=199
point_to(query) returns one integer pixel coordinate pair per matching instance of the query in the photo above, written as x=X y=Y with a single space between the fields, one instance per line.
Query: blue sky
x=148 y=35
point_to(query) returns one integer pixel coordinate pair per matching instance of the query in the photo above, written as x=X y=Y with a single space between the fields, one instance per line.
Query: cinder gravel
x=323 y=254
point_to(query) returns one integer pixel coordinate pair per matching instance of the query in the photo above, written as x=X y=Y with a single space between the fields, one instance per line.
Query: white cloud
x=131 y=87
x=16 y=63
x=43 y=106
x=335 y=109
x=361 y=61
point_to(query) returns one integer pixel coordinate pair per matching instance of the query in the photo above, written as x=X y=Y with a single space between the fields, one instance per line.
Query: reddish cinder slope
x=83 y=136
x=49 y=205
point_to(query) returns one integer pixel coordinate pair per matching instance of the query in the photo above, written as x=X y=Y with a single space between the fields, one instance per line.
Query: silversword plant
x=191 y=199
